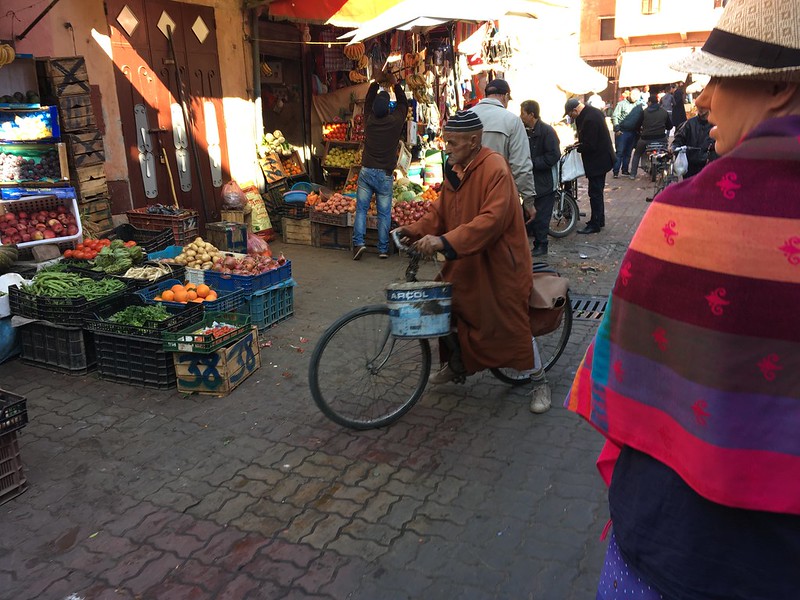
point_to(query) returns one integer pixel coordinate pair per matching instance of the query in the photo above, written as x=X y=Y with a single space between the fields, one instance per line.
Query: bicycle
x=565 y=208
x=364 y=375
x=663 y=169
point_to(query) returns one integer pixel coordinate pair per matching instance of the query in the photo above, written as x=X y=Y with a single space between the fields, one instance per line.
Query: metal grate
x=588 y=308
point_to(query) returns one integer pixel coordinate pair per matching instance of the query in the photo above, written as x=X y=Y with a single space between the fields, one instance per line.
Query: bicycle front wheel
x=550 y=347
x=565 y=215
x=363 y=377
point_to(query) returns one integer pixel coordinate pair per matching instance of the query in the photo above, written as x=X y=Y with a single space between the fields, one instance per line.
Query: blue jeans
x=624 y=143
x=378 y=182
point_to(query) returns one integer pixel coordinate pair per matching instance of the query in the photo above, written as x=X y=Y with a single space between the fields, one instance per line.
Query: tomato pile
x=89 y=249
x=217 y=331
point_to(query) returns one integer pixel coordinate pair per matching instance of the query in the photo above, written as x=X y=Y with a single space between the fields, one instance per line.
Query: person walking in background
x=695 y=134
x=678 y=115
x=382 y=133
x=667 y=100
x=644 y=96
x=625 y=130
x=655 y=126
x=545 y=153
x=693 y=375
x=504 y=133
x=597 y=101
x=597 y=153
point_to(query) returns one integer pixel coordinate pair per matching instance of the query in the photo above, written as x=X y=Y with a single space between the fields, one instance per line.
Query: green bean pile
x=72 y=285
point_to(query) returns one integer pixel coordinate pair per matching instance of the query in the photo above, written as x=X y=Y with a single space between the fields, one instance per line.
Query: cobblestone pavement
x=145 y=494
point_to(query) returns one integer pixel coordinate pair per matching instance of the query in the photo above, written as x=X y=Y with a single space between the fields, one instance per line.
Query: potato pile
x=198 y=255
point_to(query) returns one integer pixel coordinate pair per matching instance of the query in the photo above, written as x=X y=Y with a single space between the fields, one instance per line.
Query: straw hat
x=758 y=39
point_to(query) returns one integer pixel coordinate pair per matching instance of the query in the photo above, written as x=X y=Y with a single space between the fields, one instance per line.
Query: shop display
x=32 y=163
x=198 y=255
x=342 y=158
x=25 y=124
x=337 y=204
x=334 y=131
x=410 y=211
x=351 y=183
x=23 y=224
x=357 y=132
x=291 y=165
x=185 y=293
x=275 y=142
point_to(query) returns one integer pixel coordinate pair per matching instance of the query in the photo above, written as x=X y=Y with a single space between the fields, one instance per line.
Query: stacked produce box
x=65 y=82
x=13 y=417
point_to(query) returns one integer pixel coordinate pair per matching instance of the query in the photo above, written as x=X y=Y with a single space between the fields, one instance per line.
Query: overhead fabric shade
x=647 y=67
x=576 y=77
x=425 y=13
x=340 y=13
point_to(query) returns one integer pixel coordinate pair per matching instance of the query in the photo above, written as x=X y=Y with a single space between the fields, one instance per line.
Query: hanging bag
x=573 y=166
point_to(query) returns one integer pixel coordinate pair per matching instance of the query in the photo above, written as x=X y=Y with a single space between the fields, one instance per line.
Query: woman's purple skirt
x=620 y=581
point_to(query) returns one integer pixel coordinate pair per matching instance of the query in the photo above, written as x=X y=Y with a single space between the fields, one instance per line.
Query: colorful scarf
x=697 y=361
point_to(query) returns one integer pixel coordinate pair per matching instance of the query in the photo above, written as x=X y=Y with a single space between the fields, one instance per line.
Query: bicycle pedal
x=460 y=379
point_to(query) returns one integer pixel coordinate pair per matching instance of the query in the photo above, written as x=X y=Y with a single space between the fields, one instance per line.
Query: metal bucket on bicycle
x=419 y=309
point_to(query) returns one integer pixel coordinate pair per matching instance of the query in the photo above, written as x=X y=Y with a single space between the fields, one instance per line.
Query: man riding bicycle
x=479 y=228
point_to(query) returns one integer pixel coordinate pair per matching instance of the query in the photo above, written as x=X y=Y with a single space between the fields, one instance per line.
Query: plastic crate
x=181 y=317
x=248 y=283
x=166 y=253
x=273 y=305
x=48 y=202
x=149 y=240
x=59 y=311
x=225 y=302
x=134 y=360
x=13 y=412
x=67 y=350
x=187 y=340
x=12 y=478
x=184 y=226
x=177 y=272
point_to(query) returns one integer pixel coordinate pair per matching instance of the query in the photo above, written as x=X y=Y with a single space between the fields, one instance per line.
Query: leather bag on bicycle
x=548 y=300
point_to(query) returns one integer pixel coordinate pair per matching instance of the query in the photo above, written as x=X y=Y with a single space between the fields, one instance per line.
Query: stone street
x=136 y=493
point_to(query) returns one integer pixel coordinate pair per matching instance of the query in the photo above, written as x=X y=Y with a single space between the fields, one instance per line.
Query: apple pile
x=21 y=226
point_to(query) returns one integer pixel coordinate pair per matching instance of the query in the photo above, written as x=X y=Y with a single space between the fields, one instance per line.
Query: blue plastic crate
x=168 y=252
x=248 y=283
x=225 y=302
x=271 y=306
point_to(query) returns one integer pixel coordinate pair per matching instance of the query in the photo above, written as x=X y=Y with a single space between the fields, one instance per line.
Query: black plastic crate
x=59 y=311
x=13 y=412
x=182 y=317
x=149 y=240
x=67 y=350
x=134 y=360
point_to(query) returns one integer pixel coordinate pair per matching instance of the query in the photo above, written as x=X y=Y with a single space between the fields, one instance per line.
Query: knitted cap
x=463 y=121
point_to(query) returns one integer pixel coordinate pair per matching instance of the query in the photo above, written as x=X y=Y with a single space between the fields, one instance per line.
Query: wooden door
x=162 y=163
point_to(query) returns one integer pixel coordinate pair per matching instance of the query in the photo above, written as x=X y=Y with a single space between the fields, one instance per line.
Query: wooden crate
x=97 y=211
x=77 y=113
x=232 y=216
x=64 y=76
x=271 y=167
x=292 y=165
x=296 y=231
x=220 y=372
x=371 y=242
x=85 y=149
x=334 y=237
x=227 y=236
x=89 y=181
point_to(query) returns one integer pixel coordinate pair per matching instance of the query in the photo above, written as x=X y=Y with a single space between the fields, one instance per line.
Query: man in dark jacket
x=655 y=126
x=694 y=133
x=598 y=156
x=545 y=153
x=381 y=137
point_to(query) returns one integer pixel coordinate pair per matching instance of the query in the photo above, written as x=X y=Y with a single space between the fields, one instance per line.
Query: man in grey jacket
x=504 y=132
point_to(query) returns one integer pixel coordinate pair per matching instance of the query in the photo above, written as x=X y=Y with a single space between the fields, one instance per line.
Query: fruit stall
x=136 y=308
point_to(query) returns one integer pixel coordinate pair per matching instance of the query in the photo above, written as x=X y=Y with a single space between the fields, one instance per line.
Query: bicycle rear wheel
x=551 y=347
x=565 y=215
x=363 y=377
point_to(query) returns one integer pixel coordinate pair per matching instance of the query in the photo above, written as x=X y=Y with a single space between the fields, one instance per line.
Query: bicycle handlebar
x=400 y=245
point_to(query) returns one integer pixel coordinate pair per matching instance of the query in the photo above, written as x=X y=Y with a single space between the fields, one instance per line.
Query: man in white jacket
x=504 y=132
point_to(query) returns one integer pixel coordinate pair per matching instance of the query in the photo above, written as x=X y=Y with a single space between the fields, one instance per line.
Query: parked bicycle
x=665 y=166
x=367 y=370
x=565 y=208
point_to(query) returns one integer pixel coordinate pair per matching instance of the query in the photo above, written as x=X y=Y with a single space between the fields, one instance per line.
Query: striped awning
x=607 y=68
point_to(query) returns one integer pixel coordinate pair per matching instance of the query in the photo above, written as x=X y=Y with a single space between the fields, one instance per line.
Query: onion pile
x=405 y=213
x=246 y=265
